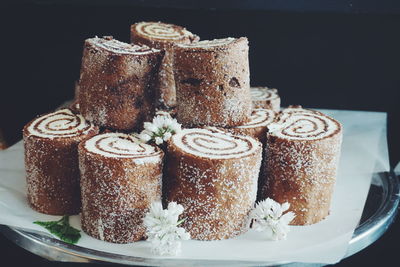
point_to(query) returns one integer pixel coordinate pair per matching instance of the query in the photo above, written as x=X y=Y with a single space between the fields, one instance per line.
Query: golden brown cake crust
x=302 y=171
x=116 y=194
x=212 y=79
x=52 y=171
x=217 y=194
x=163 y=36
x=116 y=85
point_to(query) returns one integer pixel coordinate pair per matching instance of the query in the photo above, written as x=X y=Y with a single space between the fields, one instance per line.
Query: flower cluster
x=162 y=228
x=268 y=217
x=160 y=129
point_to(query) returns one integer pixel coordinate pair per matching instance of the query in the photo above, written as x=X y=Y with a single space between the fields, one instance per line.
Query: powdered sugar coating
x=117 y=191
x=232 y=111
x=213 y=84
x=115 y=87
x=217 y=193
x=214 y=145
x=162 y=36
x=51 y=161
x=301 y=164
x=60 y=124
x=119 y=145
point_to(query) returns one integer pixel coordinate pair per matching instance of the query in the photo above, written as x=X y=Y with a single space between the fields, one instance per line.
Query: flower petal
x=161 y=228
x=159 y=140
x=269 y=217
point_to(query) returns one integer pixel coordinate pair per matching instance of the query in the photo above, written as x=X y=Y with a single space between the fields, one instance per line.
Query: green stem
x=180 y=221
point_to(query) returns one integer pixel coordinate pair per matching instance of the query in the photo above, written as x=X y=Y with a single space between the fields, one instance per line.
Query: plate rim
x=51 y=248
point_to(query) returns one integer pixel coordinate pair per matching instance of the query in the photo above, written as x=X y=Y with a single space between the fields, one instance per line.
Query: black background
x=326 y=58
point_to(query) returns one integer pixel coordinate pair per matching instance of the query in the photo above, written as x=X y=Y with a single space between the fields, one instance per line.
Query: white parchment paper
x=364 y=152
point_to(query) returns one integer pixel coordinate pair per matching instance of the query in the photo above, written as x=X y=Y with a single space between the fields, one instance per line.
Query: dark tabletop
x=321 y=58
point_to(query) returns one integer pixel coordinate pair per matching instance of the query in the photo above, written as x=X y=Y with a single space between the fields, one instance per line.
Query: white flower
x=268 y=217
x=174 y=126
x=158 y=140
x=167 y=136
x=150 y=127
x=144 y=136
x=160 y=121
x=162 y=228
x=160 y=129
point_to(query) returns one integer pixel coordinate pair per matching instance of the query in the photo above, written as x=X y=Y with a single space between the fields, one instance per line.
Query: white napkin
x=364 y=152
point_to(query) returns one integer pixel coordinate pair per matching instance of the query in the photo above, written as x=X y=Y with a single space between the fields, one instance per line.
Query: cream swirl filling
x=116 y=46
x=214 y=145
x=62 y=123
x=209 y=43
x=303 y=124
x=263 y=93
x=160 y=30
x=119 y=145
x=259 y=118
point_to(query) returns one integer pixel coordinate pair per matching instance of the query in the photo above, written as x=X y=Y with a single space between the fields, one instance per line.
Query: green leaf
x=45 y=224
x=62 y=230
